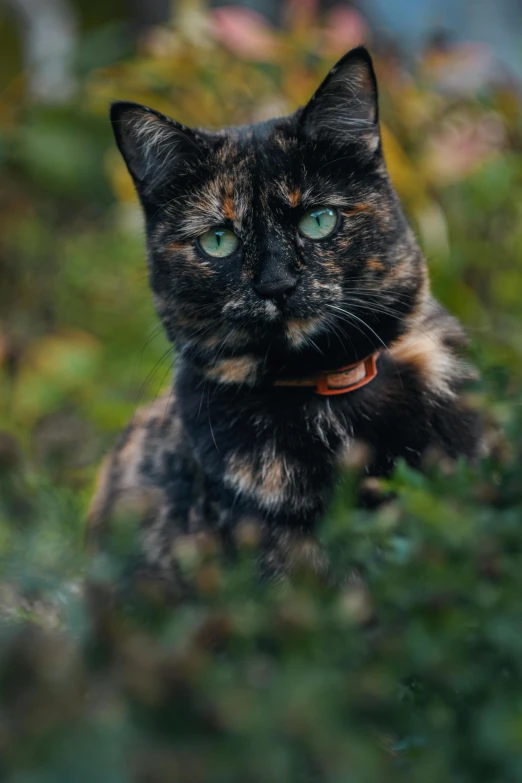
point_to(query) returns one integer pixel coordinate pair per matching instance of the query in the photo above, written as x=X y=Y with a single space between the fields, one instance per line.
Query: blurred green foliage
x=411 y=668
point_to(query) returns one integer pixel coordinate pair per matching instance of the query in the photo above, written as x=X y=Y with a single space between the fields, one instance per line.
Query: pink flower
x=345 y=28
x=245 y=32
x=461 y=144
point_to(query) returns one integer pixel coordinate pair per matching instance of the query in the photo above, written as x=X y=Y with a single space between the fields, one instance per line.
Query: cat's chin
x=271 y=311
x=282 y=327
x=279 y=315
x=289 y=335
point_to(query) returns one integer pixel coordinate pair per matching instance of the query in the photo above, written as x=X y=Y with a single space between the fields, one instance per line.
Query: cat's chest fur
x=207 y=457
x=273 y=452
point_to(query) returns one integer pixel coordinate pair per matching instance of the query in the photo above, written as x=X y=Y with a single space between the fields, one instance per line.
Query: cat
x=298 y=301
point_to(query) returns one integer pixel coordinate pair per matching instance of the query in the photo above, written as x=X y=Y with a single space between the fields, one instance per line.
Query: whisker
x=355 y=326
x=151 y=374
x=154 y=333
x=312 y=342
x=209 y=422
x=381 y=296
x=370 y=307
x=352 y=315
x=336 y=329
x=167 y=372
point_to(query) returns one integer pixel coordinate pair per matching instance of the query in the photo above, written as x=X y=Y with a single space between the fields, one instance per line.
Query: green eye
x=318 y=223
x=219 y=242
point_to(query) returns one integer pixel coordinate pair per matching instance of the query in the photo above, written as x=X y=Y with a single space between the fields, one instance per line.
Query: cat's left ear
x=155 y=147
x=345 y=104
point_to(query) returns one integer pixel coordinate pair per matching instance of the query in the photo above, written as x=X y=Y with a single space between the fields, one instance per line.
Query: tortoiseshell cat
x=279 y=255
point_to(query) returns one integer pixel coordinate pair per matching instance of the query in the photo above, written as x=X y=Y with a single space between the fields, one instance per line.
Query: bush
x=410 y=667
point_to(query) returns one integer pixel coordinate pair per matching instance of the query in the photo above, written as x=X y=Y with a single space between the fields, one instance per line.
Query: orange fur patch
x=434 y=364
x=242 y=369
x=356 y=208
x=294 y=197
x=269 y=481
x=202 y=267
x=297 y=329
x=274 y=477
x=379 y=211
x=234 y=338
x=228 y=208
x=375 y=264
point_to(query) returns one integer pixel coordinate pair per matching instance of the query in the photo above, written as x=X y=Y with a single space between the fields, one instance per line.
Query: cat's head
x=280 y=245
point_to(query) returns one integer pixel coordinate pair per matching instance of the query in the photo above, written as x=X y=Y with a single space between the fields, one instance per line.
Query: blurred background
x=417 y=677
x=78 y=344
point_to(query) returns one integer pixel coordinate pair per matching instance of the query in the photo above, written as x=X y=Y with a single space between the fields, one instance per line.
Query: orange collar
x=341 y=381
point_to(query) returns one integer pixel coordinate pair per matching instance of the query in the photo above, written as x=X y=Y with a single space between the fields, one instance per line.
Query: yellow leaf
x=403 y=173
x=119 y=178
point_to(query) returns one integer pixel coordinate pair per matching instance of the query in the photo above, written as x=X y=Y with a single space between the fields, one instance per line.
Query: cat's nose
x=280 y=288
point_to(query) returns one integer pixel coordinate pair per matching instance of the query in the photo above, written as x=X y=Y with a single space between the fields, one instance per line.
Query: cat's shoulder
x=432 y=346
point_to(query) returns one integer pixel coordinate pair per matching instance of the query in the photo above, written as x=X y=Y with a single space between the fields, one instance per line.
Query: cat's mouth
x=295 y=330
x=276 y=321
x=259 y=313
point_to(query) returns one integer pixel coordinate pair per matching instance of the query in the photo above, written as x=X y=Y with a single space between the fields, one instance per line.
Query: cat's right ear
x=151 y=144
x=345 y=106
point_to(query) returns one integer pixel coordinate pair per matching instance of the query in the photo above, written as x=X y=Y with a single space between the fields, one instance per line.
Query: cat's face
x=282 y=240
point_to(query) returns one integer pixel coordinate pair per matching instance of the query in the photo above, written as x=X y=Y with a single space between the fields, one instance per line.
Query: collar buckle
x=349 y=378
